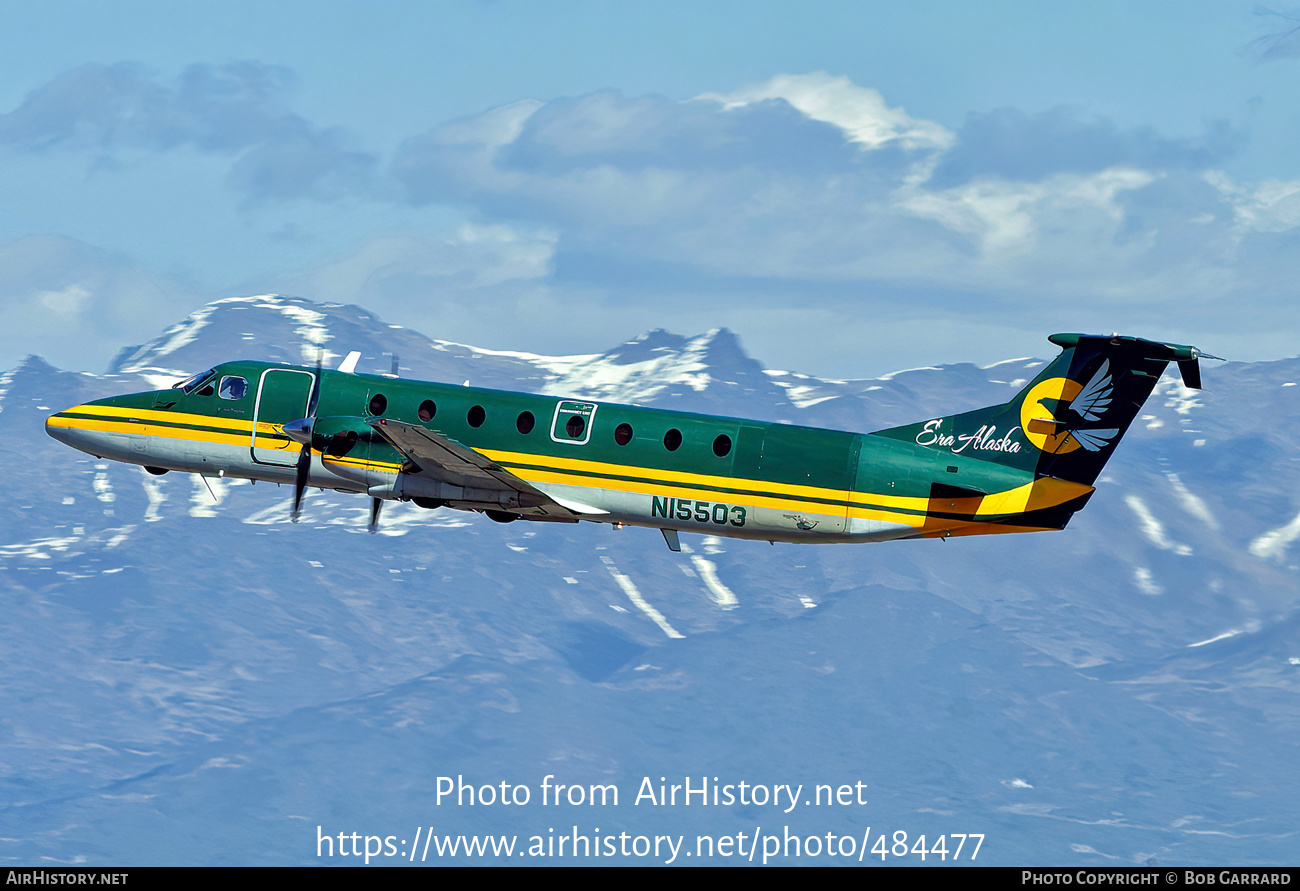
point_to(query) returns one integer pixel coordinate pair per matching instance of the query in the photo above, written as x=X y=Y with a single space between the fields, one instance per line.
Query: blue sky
x=853 y=188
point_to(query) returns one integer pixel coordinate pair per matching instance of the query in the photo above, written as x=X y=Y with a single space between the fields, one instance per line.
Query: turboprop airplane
x=1024 y=466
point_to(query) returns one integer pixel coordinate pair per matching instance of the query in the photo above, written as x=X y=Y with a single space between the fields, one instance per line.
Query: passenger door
x=282 y=396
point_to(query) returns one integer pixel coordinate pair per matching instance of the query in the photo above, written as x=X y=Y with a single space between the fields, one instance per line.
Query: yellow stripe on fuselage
x=167 y=417
x=601 y=468
x=1041 y=493
x=150 y=422
x=582 y=473
x=648 y=488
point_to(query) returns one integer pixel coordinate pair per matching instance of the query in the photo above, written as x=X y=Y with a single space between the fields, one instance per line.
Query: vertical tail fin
x=1067 y=422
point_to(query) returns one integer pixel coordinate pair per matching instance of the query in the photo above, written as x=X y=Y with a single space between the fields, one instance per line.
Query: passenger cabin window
x=476 y=416
x=378 y=404
x=673 y=440
x=233 y=387
x=623 y=434
x=722 y=445
x=427 y=410
x=524 y=423
x=573 y=421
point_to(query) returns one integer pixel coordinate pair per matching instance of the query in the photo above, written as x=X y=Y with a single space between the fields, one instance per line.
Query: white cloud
x=1005 y=216
x=483 y=284
x=860 y=112
x=1269 y=206
x=741 y=186
x=497 y=127
x=65 y=301
x=473 y=256
x=804 y=191
x=75 y=305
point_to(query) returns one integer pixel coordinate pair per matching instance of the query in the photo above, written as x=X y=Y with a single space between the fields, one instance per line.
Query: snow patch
x=1005 y=362
x=1152 y=528
x=638 y=601
x=179 y=335
x=802 y=396
x=39 y=548
x=1275 y=542
x=103 y=488
x=6 y=381
x=608 y=378
x=721 y=594
x=1178 y=397
x=1088 y=849
x=1192 y=503
x=153 y=490
x=1146 y=584
x=163 y=378
x=310 y=328
x=207 y=496
x=894 y=374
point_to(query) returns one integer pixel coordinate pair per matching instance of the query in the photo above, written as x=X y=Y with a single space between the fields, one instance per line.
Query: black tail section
x=1067 y=422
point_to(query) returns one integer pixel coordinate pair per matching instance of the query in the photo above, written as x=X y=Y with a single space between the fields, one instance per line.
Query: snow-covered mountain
x=189 y=678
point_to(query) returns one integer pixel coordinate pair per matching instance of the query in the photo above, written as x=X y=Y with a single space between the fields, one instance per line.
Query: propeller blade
x=1191 y=372
x=300 y=481
x=375 y=505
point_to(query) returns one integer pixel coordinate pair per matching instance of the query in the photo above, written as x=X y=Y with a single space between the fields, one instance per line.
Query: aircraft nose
x=64 y=426
x=85 y=427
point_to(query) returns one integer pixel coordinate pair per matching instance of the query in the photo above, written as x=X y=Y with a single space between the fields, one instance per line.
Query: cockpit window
x=233 y=387
x=190 y=384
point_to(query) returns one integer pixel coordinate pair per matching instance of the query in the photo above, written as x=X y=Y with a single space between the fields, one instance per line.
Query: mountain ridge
x=176 y=650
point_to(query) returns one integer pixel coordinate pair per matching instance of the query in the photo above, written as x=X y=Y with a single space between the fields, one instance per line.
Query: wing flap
x=438 y=458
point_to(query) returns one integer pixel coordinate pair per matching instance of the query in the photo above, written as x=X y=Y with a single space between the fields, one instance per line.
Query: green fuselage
x=613 y=463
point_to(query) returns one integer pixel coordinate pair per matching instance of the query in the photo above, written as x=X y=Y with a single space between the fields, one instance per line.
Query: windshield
x=190 y=384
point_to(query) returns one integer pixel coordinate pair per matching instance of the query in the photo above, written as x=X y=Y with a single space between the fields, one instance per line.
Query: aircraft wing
x=440 y=458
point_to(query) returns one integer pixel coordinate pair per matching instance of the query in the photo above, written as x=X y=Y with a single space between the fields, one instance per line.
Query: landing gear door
x=282 y=396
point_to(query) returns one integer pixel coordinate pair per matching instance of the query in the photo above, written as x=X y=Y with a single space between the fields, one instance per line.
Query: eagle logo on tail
x=1055 y=411
x=1090 y=405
